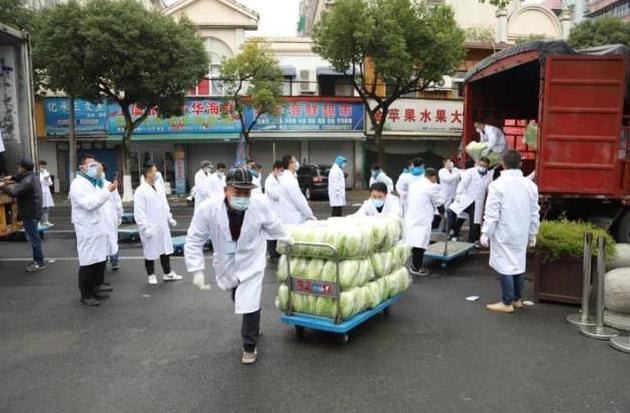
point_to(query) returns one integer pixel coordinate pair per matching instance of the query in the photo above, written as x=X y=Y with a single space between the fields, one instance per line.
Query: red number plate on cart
x=304 y=286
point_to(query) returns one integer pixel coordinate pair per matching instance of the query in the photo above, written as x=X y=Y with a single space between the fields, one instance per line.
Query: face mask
x=220 y=174
x=254 y=173
x=482 y=170
x=450 y=165
x=91 y=171
x=417 y=170
x=239 y=203
x=343 y=165
x=378 y=203
x=206 y=170
x=375 y=174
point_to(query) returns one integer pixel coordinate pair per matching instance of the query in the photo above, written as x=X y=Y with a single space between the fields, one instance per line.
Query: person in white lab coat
x=401 y=185
x=254 y=169
x=378 y=175
x=293 y=207
x=423 y=198
x=202 y=183
x=493 y=137
x=416 y=172
x=47 y=199
x=337 y=186
x=153 y=216
x=449 y=177
x=470 y=197
x=380 y=202
x=115 y=211
x=217 y=180
x=510 y=225
x=89 y=197
x=237 y=223
x=273 y=194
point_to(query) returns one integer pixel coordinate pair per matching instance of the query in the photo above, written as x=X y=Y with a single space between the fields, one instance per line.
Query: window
x=218 y=51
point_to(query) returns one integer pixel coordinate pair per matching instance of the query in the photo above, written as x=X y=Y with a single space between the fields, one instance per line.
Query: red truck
x=581 y=102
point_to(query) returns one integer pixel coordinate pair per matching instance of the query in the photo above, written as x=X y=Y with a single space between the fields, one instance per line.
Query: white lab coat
x=292 y=207
x=449 y=179
x=46 y=182
x=391 y=206
x=382 y=177
x=216 y=184
x=152 y=213
x=89 y=217
x=422 y=199
x=472 y=188
x=336 y=187
x=114 y=213
x=511 y=219
x=203 y=188
x=402 y=187
x=272 y=193
x=241 y=263
x=495 y=139
x=256 y=180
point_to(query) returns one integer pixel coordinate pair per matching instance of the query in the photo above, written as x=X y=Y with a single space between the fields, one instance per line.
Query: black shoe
x=101 y=296
x=103 y=288
x=35 y=267
x=90 y=302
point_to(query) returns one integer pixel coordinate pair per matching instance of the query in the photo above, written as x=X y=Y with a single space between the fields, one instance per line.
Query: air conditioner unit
x=445 y=84
x=307 y=87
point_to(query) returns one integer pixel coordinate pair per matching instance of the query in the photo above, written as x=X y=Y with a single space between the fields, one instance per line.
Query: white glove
x=532 y=242
x=172 y=222
x=484 y=240
x=199 y=279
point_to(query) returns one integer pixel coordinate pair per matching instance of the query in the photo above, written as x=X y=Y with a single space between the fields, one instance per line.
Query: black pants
x=417 y=256
x=437 y=219
x=250 y=328
x=90 y=276
x=456 y=223
x=165 y=260
x=496 y=172
x=271 y=249
x=337 y=211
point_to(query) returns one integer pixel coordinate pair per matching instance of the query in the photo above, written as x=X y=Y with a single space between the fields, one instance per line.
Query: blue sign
x=310 y=116
x=90 y=118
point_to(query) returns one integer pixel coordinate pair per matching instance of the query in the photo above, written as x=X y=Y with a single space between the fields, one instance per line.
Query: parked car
x=313 y=180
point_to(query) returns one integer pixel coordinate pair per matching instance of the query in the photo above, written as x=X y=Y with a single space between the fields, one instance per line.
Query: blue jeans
x=32 y=235
x=511 y=287
x=113 y=259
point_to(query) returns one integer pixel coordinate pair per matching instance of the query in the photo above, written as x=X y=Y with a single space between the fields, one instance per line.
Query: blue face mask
x=375 y=174
x=239 y=203
x=378 y=203
x=254 y=173
x=417 y=170
x=91 y=171
x=482 y=170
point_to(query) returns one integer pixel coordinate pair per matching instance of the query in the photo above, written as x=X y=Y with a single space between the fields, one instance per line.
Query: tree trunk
x=72 y=144
x=126 y=165
x=380 y=149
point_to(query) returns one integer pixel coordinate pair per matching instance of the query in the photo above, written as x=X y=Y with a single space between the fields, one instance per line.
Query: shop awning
x=288 y=71
x=329 y=71
x=179 y=138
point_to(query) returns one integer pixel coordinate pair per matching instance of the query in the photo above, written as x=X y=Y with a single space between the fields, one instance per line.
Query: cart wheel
x=300 y=332
x=386 y=312
x=343 y=338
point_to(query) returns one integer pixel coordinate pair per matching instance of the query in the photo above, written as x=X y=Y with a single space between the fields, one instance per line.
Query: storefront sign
x=200 y=116
x=423 y=117
x=90 y=118
x=311 y=116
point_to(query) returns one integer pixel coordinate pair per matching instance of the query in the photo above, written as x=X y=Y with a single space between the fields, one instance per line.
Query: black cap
x=240 y=178
x=26 y=163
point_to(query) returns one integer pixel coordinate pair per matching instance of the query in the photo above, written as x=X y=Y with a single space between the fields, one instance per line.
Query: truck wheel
x=623 y=228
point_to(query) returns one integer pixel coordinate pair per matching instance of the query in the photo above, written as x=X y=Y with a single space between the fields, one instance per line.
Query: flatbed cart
x=127 y=218
x=179 y=243
x=129 y=233
x=329 y=290
x=445 y=251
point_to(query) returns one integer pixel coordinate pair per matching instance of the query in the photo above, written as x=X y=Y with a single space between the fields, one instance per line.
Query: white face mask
x=297 y=165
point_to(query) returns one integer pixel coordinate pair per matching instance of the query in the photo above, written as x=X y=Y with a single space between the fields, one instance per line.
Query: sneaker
x=249 y=357
x=518 y=304
x=421 y=272
x=103 y=288
x=500 y=307
x=115 y=266
x=90 y=302
x=152 y=279
x=48 y=224
x=171 y=277
x=35 y=267
x=101 y=296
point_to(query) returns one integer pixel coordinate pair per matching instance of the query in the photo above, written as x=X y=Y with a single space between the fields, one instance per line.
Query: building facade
x=609 y=8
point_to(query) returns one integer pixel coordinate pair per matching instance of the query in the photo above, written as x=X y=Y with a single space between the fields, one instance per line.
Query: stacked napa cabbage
x=371 y=267
x=477 y=150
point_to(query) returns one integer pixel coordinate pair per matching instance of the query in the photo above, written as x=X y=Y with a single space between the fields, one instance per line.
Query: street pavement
x=176 y=348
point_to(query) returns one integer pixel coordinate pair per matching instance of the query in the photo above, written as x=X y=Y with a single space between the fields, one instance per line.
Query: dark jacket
x=28 y=192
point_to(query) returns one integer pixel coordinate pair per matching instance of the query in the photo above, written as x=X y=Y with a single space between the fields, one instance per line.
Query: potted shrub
x=558 y=260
